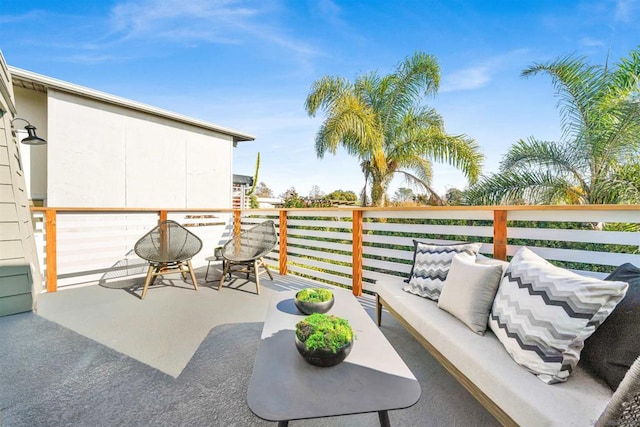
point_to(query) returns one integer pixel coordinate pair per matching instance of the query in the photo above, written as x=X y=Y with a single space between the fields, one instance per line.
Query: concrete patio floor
x=176 y=357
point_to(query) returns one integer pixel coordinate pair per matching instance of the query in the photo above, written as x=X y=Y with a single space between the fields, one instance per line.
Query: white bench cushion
x=483 y=359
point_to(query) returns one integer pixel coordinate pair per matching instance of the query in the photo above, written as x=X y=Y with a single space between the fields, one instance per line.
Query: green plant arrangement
x=322 y=331
x=314 y=300
x=314 y=295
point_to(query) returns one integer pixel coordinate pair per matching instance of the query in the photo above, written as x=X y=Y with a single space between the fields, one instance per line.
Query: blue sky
x=249 y=65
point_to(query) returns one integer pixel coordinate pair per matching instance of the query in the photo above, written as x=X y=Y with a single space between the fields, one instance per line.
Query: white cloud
x=625 y=10
x=480 y=75
x=591 y=42
x=192 y=21
x=467 y=79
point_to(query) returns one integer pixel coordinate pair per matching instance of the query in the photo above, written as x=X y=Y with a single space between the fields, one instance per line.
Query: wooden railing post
x=237 y=221
x=51 y=250
x=283 y=242
x=500 y=234
x=356 y=262
x=162 y=216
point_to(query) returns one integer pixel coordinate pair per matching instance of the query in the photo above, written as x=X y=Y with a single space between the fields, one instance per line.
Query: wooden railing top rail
x=126 y=210
x=360 y=208
x=474 y=208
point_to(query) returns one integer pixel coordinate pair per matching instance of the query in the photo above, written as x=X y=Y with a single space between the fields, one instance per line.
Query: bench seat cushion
x=484 y=361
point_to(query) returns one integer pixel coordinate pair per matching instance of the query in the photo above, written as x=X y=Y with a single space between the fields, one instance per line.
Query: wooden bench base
x=478 y=394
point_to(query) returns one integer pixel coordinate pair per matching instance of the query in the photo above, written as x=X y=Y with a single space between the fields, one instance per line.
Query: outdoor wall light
x=32 y=138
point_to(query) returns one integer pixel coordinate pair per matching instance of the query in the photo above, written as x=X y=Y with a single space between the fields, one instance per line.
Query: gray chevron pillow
x=542 y=314
x=431 y=263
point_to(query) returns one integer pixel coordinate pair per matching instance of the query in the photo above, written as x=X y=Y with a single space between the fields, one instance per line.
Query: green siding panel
x=15 y=304
x=15 y=289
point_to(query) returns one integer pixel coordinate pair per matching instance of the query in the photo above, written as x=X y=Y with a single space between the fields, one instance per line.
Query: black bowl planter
x=310 y=306
x=323 y=357
x=324 y=340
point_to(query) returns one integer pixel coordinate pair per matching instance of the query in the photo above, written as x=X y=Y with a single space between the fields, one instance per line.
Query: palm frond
x=415 y=76
x=418 y=182
x=624 y=80
x=352 y=125
x=522 y=187
x=560 y=159
x=326 y=94
x=578 y=87
x=419 y=169
x=459 y=151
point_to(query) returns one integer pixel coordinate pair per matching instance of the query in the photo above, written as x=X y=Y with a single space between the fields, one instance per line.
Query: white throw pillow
x=431 y=265
x=542 y=314
x=469 y=291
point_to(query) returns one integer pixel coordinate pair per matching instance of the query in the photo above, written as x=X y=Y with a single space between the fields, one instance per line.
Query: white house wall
x=101 y=155
x=32 y=106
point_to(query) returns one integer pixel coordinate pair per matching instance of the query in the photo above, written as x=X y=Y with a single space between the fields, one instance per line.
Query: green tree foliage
x=403 y=194
x=291 y=199
x=596 y=159
x=454 y=197
x=340 y=195
x=382 y=121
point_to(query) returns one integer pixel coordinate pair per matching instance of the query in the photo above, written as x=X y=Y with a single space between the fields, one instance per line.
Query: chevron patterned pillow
x=431 y=263
x=542 y=314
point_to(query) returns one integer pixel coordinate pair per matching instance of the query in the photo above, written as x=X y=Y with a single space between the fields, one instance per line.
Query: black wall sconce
x=32 y=138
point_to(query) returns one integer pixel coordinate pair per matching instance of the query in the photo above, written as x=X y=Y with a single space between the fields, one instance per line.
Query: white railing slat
x=319 y=244
x=318 y=233
x=319 y=254
x=455 y=230
x=320 y=264
x=319 y=223
x=346 y=281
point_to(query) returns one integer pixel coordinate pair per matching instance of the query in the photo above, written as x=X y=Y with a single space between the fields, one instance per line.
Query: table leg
x=283 y=423
x=384 y=419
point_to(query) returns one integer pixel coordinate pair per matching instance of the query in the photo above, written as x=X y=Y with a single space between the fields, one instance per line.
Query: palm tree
x=380 y=120
x=600 y=119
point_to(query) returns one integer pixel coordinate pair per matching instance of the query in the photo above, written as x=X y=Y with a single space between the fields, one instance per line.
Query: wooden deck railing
x=352 y=247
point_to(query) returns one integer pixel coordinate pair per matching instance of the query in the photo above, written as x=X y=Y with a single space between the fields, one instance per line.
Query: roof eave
x=49 y=82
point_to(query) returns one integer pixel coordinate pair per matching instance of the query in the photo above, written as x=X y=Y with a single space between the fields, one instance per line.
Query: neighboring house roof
x=38 y=82
x=242 y=179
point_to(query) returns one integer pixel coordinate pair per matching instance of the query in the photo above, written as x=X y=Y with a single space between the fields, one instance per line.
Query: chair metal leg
x=193 y=276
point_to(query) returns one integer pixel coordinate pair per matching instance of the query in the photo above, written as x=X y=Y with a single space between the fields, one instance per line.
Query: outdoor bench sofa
x=513 y=395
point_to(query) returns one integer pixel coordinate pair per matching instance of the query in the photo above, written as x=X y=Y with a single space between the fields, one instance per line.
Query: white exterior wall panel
x=126 y=158
x=208 y=170
x=86 y=153
x=155 y=172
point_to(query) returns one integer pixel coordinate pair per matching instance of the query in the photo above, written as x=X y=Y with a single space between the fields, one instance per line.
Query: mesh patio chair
x=624 y=408
x=245 y=252
x=168 y=247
